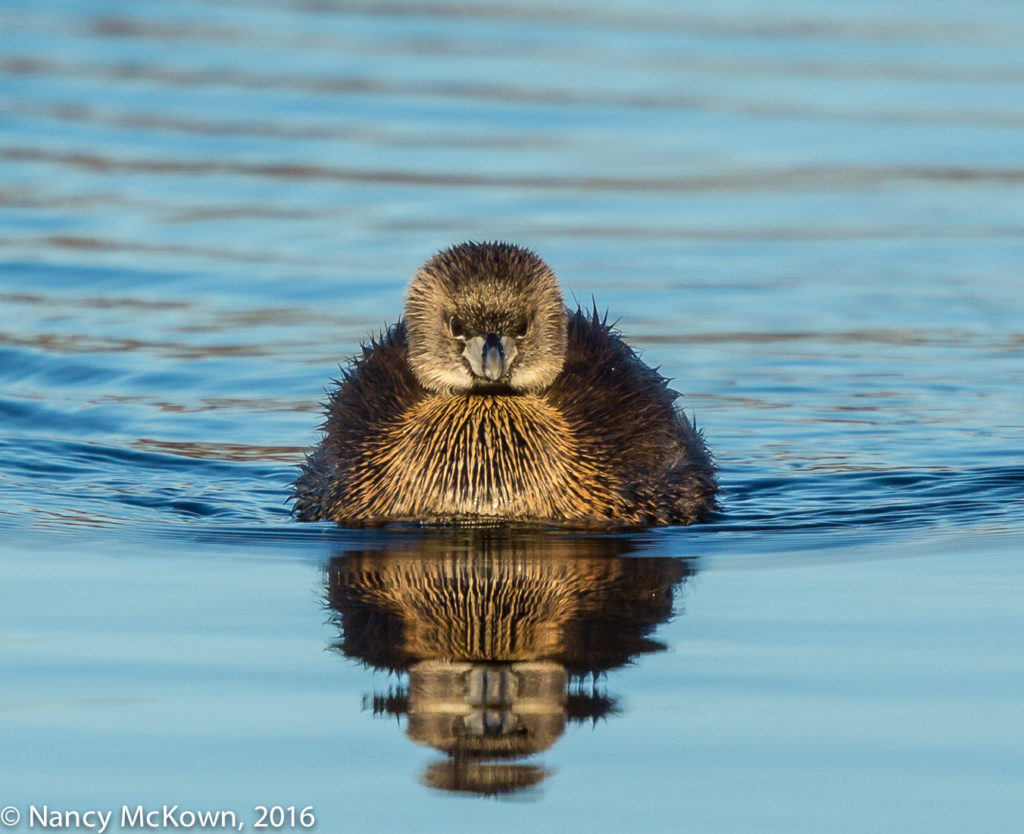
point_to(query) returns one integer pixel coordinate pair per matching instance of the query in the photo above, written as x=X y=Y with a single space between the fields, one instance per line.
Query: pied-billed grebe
x=490 y=401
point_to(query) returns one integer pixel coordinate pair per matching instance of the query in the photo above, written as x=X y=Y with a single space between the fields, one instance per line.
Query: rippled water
x=810 y=215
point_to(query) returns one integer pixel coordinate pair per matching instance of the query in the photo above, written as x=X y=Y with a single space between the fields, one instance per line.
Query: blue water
x=810 y=215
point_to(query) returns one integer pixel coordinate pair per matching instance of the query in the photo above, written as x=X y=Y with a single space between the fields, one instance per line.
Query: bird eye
x=455 y=328
x=522 y=328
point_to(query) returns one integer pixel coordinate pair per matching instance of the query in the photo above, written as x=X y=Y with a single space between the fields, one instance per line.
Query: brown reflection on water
x=503 y=638
x=220 y=451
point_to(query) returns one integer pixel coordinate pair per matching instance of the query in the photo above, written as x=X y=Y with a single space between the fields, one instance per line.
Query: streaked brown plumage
x=490 y=402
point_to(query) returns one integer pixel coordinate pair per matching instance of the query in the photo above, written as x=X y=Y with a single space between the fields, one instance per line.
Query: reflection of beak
x=490 y=356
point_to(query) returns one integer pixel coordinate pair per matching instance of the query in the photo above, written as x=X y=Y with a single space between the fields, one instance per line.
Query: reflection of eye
x=455 y=328
x=522 y=328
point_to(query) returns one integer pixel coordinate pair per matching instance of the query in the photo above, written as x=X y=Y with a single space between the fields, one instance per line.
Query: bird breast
x=508 y=456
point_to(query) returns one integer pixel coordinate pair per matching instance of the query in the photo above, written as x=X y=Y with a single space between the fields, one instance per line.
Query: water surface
x=809 y=215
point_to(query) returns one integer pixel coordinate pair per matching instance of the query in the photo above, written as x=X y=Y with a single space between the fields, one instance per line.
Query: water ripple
x=785 y=179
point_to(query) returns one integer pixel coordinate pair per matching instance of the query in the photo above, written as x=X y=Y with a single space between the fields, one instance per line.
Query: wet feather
x=601 y=443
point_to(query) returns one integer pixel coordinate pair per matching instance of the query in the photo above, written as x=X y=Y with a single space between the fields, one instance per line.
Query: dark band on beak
x=493 y=359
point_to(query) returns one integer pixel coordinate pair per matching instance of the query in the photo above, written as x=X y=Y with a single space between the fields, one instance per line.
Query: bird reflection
x=499 y=633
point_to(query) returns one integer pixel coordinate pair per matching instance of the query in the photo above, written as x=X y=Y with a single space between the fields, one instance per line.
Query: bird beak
x=490 y=356
x=494 y=358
